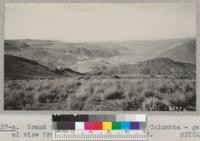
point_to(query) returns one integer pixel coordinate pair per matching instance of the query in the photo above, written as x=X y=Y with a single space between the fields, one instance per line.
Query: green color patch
x=116 y=126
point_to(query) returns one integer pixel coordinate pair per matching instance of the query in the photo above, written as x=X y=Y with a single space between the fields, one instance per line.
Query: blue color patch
x=125 y=125
x=135 y=125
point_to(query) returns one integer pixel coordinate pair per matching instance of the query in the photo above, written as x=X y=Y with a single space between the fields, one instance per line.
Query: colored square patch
x=116 y=125
x=107 y=125
x=125 y=125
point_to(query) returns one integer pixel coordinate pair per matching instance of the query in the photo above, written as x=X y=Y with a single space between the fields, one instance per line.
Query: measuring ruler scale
x=113 y=135
x=99 y=127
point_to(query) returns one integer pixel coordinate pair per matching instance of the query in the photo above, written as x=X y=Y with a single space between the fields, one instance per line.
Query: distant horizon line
x=100 y=41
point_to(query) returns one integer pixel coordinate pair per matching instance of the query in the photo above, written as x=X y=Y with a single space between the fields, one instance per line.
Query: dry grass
x=163 y=94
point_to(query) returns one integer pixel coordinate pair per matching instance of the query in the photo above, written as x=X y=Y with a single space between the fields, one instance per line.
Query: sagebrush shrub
x=101 y=93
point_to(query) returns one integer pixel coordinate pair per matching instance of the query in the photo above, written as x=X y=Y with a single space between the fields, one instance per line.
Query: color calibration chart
x=121 y=127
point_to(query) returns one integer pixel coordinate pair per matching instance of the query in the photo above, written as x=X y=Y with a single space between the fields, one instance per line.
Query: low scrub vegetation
x=94 y=94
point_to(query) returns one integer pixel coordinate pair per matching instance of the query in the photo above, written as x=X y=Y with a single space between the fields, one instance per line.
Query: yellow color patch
x=107 y=125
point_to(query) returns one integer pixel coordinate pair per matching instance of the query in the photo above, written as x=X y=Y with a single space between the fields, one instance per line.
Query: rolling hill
x=21 y=68
x=156 y=66
x=87 y=56
x=14 y=45
x=55 y=53
x=183 y=52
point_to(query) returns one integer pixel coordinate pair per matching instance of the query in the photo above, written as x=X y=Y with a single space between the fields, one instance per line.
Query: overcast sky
x=100 y=22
